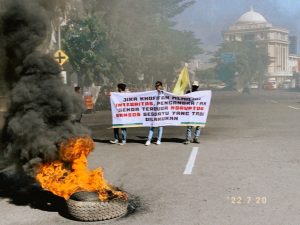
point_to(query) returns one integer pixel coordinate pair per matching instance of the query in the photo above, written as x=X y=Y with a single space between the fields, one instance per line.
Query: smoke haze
x=41 y=108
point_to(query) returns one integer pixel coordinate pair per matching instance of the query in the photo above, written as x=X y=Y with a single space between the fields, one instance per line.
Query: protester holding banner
x=158 y=108
x=159 y=88
x=197 y=131
x=121 y=88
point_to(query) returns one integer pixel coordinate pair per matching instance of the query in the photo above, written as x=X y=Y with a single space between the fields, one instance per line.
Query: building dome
x=252 y=17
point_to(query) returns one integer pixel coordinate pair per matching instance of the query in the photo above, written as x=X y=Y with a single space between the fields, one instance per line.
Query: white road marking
x=292 y=107
x=190 y=164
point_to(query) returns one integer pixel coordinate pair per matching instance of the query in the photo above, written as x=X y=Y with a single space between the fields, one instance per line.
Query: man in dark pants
x=197 y=131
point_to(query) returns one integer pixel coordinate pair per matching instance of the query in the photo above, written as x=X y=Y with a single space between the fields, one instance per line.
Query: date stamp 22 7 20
x=239 y=200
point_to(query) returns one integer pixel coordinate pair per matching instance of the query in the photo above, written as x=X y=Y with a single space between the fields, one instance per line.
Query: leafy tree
x=85 y=41
x=121 y=39
x=250 y=64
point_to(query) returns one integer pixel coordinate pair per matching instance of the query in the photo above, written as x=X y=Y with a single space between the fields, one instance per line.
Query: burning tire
x=87 y=207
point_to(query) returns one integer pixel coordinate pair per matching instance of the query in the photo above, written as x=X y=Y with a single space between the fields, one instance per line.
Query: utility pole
x=59 y=36
x=61 y=22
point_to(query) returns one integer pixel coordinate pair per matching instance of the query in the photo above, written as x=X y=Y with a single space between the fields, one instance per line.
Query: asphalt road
x=245 y=171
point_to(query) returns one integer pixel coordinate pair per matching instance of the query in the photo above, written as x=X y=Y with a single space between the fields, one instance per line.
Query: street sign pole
x=63 y=75
x=60 y=57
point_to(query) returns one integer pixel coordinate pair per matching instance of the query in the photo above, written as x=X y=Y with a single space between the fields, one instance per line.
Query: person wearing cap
x=188 y=135
x=159 y=88
x=121 y=88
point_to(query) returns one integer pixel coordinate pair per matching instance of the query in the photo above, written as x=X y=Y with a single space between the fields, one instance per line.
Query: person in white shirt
x=159 y=88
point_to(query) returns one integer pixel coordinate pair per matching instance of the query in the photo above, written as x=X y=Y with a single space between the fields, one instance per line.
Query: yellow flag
x=182 y=82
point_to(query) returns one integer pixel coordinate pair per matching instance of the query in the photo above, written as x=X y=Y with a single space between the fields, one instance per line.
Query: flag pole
x=187 y=66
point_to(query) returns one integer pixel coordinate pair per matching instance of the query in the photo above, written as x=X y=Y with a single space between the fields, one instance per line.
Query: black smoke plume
x=41 y=108
x=22 y=33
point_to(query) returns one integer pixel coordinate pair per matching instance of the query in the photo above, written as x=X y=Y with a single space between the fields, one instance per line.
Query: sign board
x=228 y=57
x=60 y=57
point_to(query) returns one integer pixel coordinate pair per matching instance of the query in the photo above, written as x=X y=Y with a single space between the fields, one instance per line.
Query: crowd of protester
x=103 y=103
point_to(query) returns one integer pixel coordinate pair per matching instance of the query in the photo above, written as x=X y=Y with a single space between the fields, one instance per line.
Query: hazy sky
x=208 y=18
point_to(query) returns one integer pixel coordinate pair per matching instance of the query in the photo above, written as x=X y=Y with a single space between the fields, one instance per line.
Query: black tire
x=86 y=207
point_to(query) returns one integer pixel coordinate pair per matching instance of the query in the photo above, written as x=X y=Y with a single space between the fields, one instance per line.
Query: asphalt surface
x=245 y=171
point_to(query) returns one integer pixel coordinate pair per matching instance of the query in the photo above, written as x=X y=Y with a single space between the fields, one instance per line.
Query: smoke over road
x=41 y=107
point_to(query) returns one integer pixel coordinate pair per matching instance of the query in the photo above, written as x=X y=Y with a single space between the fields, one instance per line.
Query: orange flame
x=70 y=174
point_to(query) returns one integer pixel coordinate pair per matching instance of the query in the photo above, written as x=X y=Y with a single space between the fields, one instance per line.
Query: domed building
x=252 y=26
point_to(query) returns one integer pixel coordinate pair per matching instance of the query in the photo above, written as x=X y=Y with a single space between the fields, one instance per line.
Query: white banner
x=153 y=108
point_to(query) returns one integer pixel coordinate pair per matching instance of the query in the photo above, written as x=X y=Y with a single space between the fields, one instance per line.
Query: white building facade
x=253 y=26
